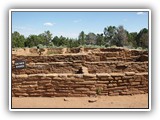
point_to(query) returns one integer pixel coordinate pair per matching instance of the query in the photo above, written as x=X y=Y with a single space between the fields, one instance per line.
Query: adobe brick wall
x=111 y=71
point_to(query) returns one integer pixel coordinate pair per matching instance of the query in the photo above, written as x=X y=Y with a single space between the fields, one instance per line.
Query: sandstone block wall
x=69 y=85
x=111 y=71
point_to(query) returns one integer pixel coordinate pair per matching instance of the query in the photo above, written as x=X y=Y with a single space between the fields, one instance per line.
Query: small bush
x=139 y=48
x=107 y=45
x=99 y=91
x=34 y=47
x=39 y=46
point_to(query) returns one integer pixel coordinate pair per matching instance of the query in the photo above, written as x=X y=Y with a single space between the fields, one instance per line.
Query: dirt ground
x=135 y=101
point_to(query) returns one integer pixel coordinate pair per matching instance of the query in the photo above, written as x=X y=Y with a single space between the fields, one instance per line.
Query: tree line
x=111 y=36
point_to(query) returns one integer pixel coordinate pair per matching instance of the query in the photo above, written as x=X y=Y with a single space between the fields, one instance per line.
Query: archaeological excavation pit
x=79 y=72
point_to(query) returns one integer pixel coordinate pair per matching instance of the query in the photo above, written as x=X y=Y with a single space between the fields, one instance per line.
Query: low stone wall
x=79 y=85
x=93 y=57
x=93 y=67
x=80 y=72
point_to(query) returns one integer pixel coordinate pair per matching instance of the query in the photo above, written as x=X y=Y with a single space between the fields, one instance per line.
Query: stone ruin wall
x=81 y=72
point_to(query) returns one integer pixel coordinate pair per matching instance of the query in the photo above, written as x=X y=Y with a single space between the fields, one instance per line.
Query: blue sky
x=70 y=24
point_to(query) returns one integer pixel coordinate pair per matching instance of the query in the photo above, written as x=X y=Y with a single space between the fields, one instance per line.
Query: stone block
x=114 y=84
x=51 y=75
x=30 y=90
x=143 y=58
x=123 y=84
x=31 y=64
x=101 y=85
x=116 y=88
x=24 y=86
x=110 y=78
x=117 y=74
x=102 y=82
x=17 y=80
x=40 y=91
x=21 y=76
x=118 y=78
x=135 y=83
x=49 y=94
x=77 y=80
x=48 y=85
x=44 y=81
x=113 y=94
x=77 y=86
x=82 y=89
x=110 y=85
x=35 y=94
x=61 y=88
x=134 y=92
x=41 y=63
x=106 y=79
x=13 y=95
x=117 y=91
x=64 y=91
x=19 y=90
x=103 y=94
x=127 y=77
x=103 y=75
x=62 y=85
x=86 y=83
x=21 y=94
x=13 y=76
x=89 y=86
x=124 y=93
x=142 y=74
x=33 y=78
x=144 y=89
x=30 y=82
x=89 y=76
x=50 y=90
x=40 y=87
x=93 y=89
x=129 y=73
x=131 y=80
x=62 y=75
x=78 y=75
x=144 y=82
x=138 y=79
x=120 y=81
x=33 y=86
x=16 y=84
x=89 y=92
x=37 y=75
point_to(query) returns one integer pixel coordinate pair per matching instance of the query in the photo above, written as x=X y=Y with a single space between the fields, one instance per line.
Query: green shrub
x=99 y=91
x=107 y=45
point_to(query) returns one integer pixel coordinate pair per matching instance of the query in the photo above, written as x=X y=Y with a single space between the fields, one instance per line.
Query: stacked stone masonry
x=111 y=71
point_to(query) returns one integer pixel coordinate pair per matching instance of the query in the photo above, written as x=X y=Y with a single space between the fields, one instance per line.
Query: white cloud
x=48 y=24
x=77 y=21
x=140 y=13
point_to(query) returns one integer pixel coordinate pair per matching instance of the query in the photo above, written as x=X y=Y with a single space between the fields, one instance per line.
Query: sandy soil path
x=135 y=101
